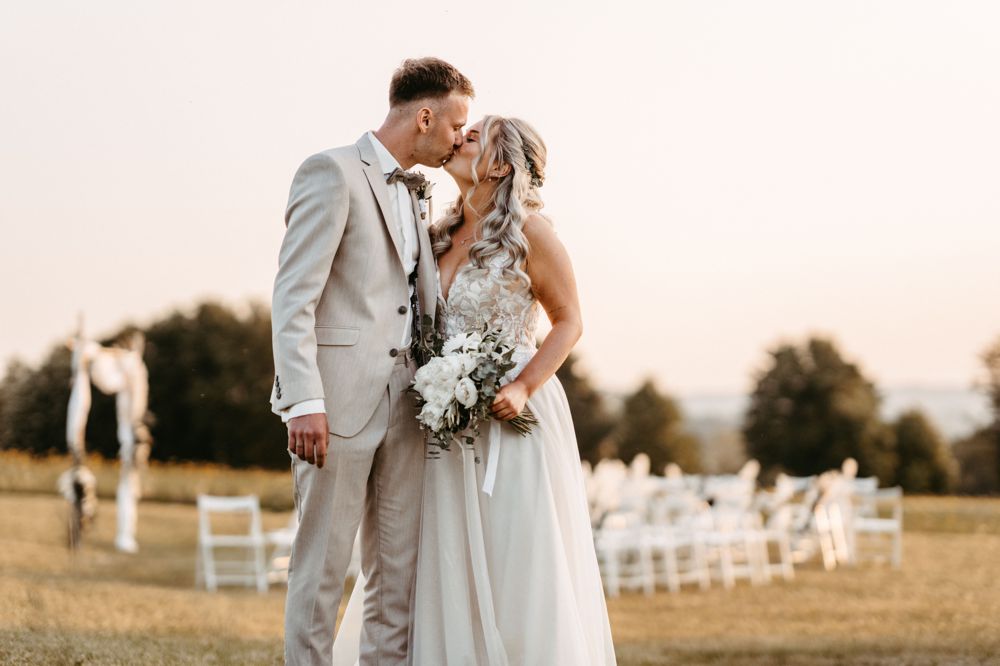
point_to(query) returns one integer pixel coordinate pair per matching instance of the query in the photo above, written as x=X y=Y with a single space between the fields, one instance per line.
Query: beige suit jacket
x=340 y=295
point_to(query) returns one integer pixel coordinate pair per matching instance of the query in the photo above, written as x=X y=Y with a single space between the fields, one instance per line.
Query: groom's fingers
x=309 y=452
x=322 y=443
x=295 y=442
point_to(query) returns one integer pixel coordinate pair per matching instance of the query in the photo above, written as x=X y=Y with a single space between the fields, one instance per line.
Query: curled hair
x=421 y=78
x=501 y=228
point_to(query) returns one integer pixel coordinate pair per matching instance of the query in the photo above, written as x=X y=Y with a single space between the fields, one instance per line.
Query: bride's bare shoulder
x=537 y=227
x=540 y=232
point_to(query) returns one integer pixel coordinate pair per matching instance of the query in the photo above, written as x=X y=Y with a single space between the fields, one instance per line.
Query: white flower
x=427 y=375
x=468 y=362
x=465 y=392
x=432 y=416
x=466 y=342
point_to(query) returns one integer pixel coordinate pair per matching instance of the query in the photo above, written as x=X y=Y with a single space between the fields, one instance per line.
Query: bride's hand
x=510 y=401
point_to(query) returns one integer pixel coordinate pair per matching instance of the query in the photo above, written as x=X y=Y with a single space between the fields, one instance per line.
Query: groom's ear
x=424 y=118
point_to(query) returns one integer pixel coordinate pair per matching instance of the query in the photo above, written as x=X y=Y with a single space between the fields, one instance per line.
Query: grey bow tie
x=413 y=181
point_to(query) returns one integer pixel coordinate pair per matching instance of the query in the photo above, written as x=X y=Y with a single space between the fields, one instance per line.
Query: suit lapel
x=376 y=179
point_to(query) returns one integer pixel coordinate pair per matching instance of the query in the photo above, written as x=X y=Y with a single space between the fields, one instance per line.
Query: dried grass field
x=102 y=607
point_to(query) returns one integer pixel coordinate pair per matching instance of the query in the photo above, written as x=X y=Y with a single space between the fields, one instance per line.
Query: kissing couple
x=460 y=566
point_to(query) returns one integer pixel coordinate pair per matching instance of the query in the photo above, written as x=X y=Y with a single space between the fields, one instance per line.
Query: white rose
x=465 y=392
x=429 y=375
x=455 y=367
x=432 y=416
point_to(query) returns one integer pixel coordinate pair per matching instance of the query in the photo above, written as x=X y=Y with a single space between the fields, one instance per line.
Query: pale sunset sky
x=725 y=175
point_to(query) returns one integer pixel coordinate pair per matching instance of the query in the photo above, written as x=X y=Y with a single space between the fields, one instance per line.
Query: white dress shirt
x=399 y=197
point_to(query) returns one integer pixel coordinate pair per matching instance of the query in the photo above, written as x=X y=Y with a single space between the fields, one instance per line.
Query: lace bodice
x=485 y=296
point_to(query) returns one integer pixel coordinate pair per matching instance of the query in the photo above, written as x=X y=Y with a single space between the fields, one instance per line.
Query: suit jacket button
x=393 y=352
x=401 y=309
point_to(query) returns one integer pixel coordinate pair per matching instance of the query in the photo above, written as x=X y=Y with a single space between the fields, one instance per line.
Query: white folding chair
x=736 y=544
x=809 y=523
x=678 y=554
x=234 y=556
x=624 y=555
x=885 y=526
x=777 y=531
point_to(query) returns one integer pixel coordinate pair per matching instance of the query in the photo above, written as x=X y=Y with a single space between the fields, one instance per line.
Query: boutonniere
x=423 y=197
x=424 y=189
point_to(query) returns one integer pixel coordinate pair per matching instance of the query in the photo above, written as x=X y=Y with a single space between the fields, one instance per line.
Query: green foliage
x=991 y=361
x=33 y=404
x=651 y=423
x=977 y=455
x=811 y=409
x=591 y=419
x=926 y=464
x=210 y=377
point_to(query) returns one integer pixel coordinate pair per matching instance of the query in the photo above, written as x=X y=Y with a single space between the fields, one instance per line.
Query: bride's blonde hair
x=504 y=141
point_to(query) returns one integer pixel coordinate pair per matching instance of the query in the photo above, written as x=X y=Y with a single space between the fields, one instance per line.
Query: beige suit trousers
x=374 y=479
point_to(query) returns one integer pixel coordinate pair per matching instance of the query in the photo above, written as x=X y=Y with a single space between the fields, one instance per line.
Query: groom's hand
x=308 y=437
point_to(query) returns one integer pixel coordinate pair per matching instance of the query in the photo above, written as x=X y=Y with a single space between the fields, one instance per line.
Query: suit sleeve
x=315 y=218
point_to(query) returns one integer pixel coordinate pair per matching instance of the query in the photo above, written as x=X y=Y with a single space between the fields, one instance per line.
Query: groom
x=355 y=273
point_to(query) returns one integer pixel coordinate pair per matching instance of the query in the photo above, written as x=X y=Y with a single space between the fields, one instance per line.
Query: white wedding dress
x=508 y=578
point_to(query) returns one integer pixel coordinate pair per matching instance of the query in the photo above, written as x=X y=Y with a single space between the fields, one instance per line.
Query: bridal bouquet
x=459 y=381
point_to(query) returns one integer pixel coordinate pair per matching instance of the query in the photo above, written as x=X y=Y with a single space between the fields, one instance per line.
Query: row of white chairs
x=650 y=531
x=653 y=531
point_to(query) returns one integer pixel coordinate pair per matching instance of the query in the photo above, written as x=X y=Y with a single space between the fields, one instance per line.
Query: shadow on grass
x=819 y=653
x=86 y=648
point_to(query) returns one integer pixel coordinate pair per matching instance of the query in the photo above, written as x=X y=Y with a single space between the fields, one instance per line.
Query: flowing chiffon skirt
x=508 y=579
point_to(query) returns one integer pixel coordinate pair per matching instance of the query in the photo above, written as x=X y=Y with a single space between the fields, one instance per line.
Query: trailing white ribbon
x=493 y=460
x=495 y=653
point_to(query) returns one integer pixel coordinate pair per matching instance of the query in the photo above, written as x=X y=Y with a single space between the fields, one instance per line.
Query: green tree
x=926 y=464
x=991 y=363
x=811 y=409
x=652 y=423
x=33 y=404
x=979 y=454
x=591 y=419
x=210 y=378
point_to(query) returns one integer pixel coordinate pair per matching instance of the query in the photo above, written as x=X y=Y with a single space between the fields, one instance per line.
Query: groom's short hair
x=420 y=78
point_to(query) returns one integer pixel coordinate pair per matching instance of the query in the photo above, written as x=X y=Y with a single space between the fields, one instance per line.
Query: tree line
x=211 y=370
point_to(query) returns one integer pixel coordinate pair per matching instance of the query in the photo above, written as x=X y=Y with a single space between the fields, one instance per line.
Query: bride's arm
x=554 y=285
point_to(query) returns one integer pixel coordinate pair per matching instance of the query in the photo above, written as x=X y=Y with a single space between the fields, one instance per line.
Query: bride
x=506 y=570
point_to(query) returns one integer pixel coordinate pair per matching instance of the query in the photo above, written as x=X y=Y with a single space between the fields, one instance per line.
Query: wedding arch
x=118 y=371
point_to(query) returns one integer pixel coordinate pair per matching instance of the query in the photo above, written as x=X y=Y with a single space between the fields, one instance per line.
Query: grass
x=102 y=607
